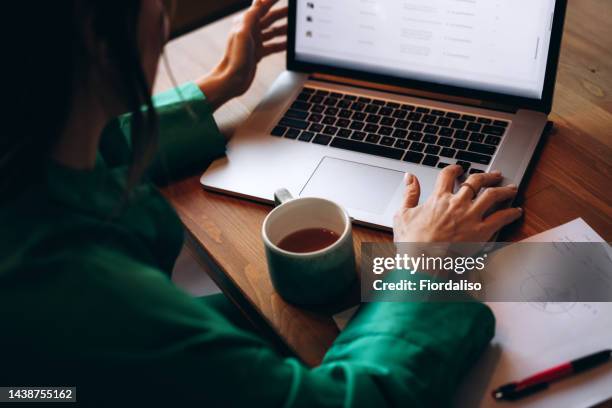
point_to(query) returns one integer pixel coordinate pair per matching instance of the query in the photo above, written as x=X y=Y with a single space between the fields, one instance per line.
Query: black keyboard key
x=476 y=171
x=432 y=149
x=322 y=92
x=415 y=136
x=477 y=137
x=367 y=148
x=306 y=136
x=378 y=102
x=460 y=144
x=422 y=110
x=431 y=160
x=385 y=131
x=372 y=138
x=416 y=126
x=373 y=119
x=438 y=112
x=315 y=118
x=407 y=107
x=468 y=118
x=278 y=131
x=316 y=127
x=303 y=97
x=305 y=106
x=387 y=121
x=358 y=106
x=400 y=114
x=466 y=165
x=417 y=147
x=485 y=121
x=359 y=116
x=446 y=132
x=500 y=123
x=373 y=109
x=402 y=144
x=330 y=130
x=473 y=157
x=442 y=165
x=431 y=129
x=332 y=111
x=345 y=114
x=431 y=139
x=330 y=102
x=402 y=124
x=296 y=114
x=400 y=133
x=474 y=127
x=448 y=152
x=335 y=95
x=307 y=90
x=458 y=124
x=322 y=139
x=415 y=116
x=413 y=157
x=387 y=141
x=461 y=134
x=293 y=133
x=429 y=119
x=482 y=148
x=493 y=130
x=343 y=123
x=385 y=111
x=345 y=133
x=443 y=121
x=357 y=125
x=453 y=115
x=370 y=128
x=358 y=136
x=344 y=103
x=493 y=140
x=294 y=123
x=328 y=120
x=317 y=99
x=393 y=105
x=317 y=109
x=350 y=97
x=363 y=99
x=445 y=141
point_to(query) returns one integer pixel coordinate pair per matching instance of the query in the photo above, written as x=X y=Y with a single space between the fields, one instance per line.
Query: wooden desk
x=571 y=179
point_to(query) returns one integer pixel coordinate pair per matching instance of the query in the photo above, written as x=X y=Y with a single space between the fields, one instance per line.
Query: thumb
x=413 y=191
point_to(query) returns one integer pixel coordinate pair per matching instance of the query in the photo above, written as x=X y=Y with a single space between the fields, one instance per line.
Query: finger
x=478 y=182
x=412 y=194
x=273 y=16
x=446 y=179
x=273 y=48
x=500 y=219
x=262 y=7
x=492 y=196
x=274 y=32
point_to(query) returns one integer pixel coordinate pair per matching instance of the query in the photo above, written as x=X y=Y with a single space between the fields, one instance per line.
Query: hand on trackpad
x=354 y=185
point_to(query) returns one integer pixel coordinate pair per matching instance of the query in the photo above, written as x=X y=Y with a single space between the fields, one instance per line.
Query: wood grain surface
x=572 y=177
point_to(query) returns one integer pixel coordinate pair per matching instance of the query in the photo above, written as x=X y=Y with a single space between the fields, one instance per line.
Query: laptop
x=377 y=88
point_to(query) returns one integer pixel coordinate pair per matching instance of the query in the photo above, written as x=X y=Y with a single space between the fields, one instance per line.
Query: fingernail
x=514 y=186
x=496 y=172
x=408 y=178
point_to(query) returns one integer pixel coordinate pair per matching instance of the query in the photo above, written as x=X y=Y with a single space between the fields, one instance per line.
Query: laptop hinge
x=412 y=92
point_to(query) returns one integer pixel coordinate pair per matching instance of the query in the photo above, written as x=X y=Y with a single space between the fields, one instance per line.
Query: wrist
x=216 y=86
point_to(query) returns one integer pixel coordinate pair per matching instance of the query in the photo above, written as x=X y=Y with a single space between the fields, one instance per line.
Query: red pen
x=541 y=381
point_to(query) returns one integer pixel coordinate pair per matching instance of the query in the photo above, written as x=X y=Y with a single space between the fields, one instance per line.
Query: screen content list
x=492 y=45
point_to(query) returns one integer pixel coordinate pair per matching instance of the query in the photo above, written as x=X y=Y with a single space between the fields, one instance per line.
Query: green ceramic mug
x=310 y=278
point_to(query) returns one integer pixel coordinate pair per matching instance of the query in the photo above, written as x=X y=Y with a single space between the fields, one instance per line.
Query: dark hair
x=47 y=53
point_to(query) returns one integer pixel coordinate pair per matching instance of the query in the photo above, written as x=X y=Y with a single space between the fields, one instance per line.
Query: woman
x=88 y=244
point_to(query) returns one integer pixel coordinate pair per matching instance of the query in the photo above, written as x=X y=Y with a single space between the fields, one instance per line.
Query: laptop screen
x=498 y=46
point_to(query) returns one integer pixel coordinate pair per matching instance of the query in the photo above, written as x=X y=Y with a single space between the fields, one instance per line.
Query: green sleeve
x=391 y=354
x=189 y=138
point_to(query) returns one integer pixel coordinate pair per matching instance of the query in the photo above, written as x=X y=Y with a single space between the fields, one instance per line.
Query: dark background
x=192 y=14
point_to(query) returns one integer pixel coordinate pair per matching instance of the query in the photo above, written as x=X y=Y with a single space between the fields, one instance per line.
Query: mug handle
x=281 y=196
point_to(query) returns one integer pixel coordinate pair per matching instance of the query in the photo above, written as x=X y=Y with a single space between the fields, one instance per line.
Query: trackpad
x=354 y=185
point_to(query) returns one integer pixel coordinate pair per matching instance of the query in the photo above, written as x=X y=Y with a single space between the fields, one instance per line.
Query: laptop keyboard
x=415 y=134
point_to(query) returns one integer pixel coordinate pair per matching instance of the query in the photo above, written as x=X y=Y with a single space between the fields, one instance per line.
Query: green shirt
x=86 y=299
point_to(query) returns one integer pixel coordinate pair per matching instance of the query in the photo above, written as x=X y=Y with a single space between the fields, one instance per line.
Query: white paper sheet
x=531 y=337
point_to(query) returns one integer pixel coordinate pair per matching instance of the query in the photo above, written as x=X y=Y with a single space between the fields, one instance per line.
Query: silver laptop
x=374 y=89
